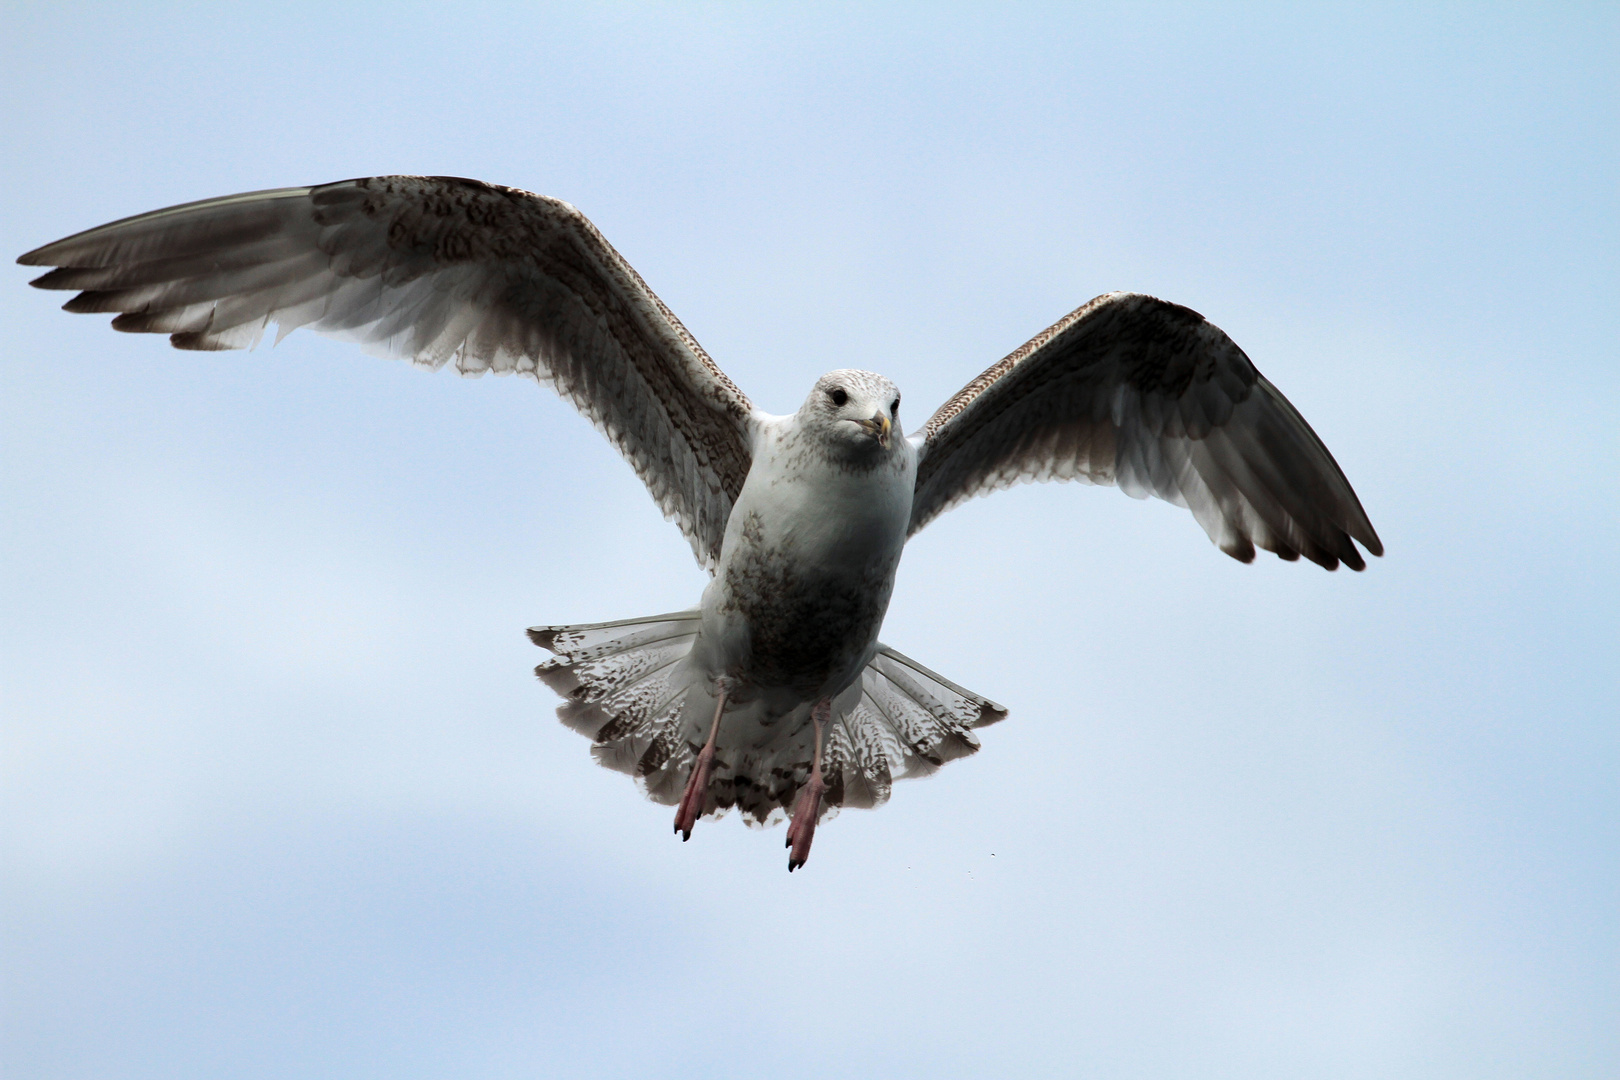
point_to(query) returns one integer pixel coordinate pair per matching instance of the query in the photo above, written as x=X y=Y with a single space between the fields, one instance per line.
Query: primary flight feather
x=774 y=694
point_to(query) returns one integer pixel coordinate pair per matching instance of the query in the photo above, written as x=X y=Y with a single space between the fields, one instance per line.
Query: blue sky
x=281 y=797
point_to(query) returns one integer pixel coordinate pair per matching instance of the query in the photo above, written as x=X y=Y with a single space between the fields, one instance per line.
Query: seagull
x=774 y=695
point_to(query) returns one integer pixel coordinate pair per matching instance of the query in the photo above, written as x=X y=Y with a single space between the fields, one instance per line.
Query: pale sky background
x=282 y=798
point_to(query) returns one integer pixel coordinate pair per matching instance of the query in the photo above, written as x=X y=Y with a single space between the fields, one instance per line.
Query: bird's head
x=855 y=410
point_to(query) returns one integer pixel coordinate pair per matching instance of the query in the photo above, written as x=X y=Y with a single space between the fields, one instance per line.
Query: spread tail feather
x=626 y=688
x=623 y=681
x=907 y=721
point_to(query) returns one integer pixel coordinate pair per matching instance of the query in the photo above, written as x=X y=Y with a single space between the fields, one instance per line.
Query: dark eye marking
x=838 y=396
x=894 y=407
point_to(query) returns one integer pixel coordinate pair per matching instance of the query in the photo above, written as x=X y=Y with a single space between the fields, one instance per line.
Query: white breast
x=808 y=564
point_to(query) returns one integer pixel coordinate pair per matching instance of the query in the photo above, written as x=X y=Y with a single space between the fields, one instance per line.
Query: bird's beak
x=879 y=425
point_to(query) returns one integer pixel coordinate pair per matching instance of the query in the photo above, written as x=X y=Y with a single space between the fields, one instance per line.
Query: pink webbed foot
x=697 y=785
x=697 y=791
x=802 y=830
x=808 y=807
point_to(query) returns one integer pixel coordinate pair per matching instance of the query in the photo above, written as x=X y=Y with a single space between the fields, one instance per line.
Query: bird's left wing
x=437 y=270
x=1134 y=391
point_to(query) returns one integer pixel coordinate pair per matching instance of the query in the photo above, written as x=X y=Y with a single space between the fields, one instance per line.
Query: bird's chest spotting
x=808 y=571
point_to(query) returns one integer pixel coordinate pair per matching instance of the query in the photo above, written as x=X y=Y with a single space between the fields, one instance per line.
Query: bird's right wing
x=437 y=270
x=1134 y=391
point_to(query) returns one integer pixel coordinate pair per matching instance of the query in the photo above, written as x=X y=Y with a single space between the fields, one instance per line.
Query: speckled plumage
x=801 y=519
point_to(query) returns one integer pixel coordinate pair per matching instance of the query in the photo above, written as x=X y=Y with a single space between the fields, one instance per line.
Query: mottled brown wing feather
x=438 y=270
x=1134 y=391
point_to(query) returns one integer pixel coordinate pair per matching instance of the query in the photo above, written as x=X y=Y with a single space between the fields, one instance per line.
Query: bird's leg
x=808 y=807
x=697 y=784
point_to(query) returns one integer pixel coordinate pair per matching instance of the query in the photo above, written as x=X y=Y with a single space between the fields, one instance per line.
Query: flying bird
x=774 y=695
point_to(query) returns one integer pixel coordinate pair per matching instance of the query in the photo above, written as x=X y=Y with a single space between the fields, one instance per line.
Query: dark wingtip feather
x=1361 y=529
x=198 y=341
x=543 y=636
x=88 y=302
x=53 y=279
x=1240 y=549
x=1327 y=560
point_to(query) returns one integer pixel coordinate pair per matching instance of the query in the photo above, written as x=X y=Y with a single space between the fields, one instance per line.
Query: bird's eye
x=894 y=407
x=838 y=396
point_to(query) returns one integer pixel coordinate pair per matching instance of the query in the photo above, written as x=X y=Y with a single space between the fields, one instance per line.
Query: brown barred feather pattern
x=438 y=270
x=1148 y=395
